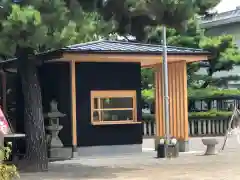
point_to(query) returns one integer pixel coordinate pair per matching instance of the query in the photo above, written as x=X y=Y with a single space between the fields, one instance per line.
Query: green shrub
x=7 y=172
x=208 y=93
x=148 y=117
x=208 y=114
x=195 y=94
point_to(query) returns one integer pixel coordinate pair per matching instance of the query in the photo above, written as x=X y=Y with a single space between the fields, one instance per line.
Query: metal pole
x=165 y=86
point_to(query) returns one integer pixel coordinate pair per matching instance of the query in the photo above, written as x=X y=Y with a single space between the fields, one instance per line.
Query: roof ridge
x=148 y=44
x=130 y=42
x=110 y=45
x=84 y=44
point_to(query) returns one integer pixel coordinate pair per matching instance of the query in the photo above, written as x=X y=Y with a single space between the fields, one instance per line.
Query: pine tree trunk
x=36 y=147
x=207 y=82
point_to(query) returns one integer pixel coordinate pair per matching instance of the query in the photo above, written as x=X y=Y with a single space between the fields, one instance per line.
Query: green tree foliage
x=31 y=27
x=45 y=25
x=224 y=54
x=189 y=38
x=134 y=16
x=147 y=78
x=204 y=6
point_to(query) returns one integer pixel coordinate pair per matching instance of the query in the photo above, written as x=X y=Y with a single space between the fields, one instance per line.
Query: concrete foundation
x=60 y=153
x=68 y=152
x=74 y=152
x=183 y=146
x=156 y=142
x=109 y=150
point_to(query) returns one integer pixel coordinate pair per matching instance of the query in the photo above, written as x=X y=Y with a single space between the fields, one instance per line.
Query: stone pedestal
x=54 y=140
x=59 y=153
x=211 y=150
x=210 y=143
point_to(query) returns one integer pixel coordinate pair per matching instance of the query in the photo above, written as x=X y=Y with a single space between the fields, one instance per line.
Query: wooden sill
x=115 y=122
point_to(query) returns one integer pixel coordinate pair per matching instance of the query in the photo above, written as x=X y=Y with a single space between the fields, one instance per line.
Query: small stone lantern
x=54 y=127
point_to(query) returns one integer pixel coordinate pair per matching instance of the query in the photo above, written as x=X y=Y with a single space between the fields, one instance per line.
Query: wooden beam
x=144 y=59
x=73 y=104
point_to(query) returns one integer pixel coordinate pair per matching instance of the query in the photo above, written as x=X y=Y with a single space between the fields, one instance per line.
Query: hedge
x=208 y=114
x=195 y=94
x=209 y=93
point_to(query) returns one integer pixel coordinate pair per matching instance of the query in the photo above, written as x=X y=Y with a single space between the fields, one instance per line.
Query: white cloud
x=227 y=5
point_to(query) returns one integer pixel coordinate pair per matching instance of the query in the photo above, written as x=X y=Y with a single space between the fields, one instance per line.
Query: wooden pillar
x=73 y=107
x=178 y=110
x=178 y=99
x=183 y=69
x=159 y=119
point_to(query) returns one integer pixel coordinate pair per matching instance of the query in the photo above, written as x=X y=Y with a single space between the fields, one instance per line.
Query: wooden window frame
x=115 y=94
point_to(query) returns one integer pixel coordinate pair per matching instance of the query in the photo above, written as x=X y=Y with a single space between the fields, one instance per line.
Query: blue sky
x=227 y=5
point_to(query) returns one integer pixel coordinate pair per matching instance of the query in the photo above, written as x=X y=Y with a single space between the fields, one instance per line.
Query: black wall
x=106 y=76
x=55 y=84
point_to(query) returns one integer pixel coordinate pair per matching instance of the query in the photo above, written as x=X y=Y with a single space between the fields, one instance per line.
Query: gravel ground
x=144 y=166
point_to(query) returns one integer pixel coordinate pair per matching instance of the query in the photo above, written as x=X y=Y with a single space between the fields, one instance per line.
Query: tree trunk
x=207 y=82
x=36 y=146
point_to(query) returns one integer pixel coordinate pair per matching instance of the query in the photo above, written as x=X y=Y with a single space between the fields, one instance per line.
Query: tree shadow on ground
x=76 y=171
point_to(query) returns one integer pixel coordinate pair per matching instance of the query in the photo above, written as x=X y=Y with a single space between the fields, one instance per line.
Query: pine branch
x=214 y=81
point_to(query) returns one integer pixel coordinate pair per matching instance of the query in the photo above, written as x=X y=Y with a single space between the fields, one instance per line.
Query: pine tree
x=28 y=27
x=134 y=16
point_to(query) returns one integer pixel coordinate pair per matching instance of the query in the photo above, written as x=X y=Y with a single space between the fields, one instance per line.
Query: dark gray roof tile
x=102 y=46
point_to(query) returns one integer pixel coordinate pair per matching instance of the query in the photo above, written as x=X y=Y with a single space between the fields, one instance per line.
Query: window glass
x=113 y=115
x=113 y=106
x=115 y=102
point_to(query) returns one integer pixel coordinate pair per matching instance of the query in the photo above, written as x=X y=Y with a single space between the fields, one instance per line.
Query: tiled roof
x=105 y=46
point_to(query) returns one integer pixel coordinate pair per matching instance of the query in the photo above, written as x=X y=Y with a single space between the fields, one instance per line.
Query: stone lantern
x=54 y=127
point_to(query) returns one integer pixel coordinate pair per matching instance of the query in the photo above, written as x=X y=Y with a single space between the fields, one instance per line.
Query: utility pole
x=165 y=87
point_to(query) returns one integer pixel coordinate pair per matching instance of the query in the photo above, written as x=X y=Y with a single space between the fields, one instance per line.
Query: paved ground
x=144 y=166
